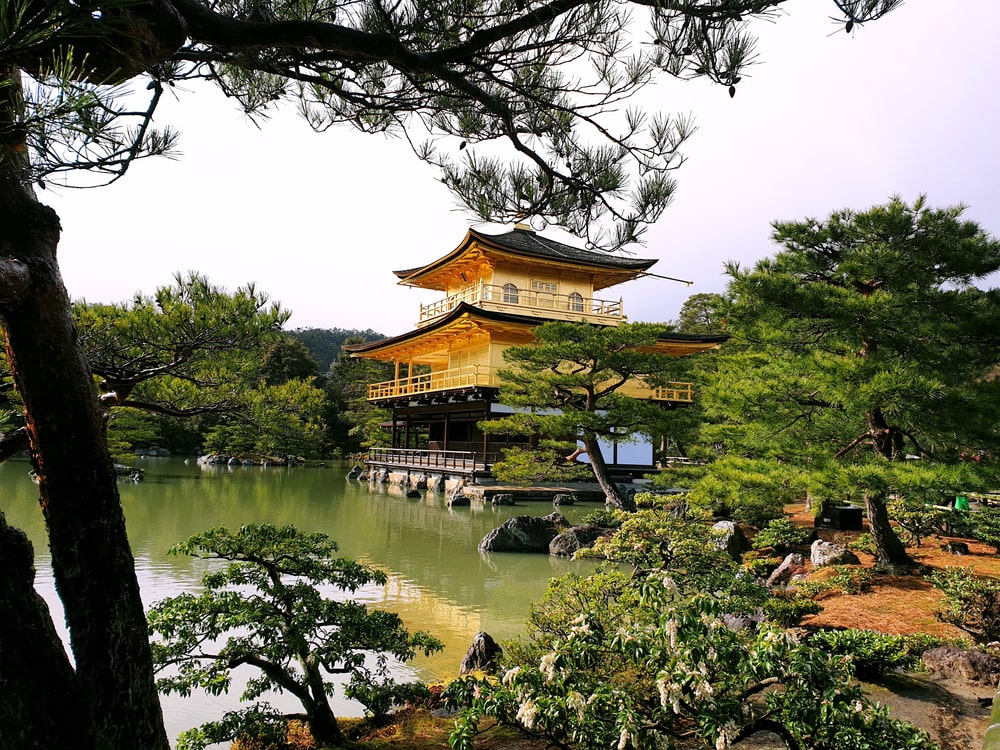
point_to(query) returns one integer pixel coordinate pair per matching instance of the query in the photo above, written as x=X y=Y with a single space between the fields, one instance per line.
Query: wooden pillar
x=444 y=439
x=395 y=436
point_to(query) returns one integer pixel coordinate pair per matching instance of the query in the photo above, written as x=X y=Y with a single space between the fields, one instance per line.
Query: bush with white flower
x=674 y=675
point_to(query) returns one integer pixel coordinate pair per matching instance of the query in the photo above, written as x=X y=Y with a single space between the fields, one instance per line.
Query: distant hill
x=324 y=343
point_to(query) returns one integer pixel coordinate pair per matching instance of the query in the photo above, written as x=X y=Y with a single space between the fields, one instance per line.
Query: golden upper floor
x=523 y=273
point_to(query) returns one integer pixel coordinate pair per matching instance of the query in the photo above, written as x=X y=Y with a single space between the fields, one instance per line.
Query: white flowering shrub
x=682 y=678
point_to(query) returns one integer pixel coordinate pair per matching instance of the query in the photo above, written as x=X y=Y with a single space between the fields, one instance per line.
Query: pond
x=438 y=580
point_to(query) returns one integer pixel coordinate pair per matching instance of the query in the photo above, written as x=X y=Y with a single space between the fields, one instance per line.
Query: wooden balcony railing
x=481 y=375
x=459 y=462
x=569 y=305
x=444 y=380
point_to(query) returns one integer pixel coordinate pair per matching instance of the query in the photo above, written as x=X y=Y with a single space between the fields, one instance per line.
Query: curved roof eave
x=464 y=308
x=528 y=244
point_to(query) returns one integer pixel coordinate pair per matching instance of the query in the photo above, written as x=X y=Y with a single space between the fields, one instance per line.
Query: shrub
x=788 y=609
x=971 y=602
x=605 y=518
x=265 y=609
x=986 y=527
x=843 y=578
x=875 y=654
x=864 y=543
x=781 y=535
x=759 y=565
x=680 y=673
x=917 y=519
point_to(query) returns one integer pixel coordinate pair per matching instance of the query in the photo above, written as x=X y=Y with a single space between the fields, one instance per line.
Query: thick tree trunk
x=613 y=494
x=889 y=551
x=91 y=559
x=40 y=702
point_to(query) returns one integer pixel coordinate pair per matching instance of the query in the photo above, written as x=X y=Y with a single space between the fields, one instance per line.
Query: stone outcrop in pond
x=524 y=534
x=576 y=538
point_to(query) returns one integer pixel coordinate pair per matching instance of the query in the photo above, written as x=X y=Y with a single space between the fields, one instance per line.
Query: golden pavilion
x=496 y=289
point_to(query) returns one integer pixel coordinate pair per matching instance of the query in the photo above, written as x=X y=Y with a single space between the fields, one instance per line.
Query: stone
x=459 y=499
x=973 y=666
x=523 y=534
x=421 y=483
x=955 y=548
x=564 y=499
x=792 y=565
x=412 y=494
x=482 y=654
x=827 y=553
x=502 y=498
x=576 y=538
x=730 y=539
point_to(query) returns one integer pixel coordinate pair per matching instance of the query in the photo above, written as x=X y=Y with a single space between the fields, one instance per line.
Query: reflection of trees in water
x=438 y=579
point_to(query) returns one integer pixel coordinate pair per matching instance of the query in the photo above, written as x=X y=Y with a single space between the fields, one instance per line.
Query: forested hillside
x=324 y=343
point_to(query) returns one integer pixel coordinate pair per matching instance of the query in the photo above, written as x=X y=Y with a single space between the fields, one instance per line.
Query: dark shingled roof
x=528 y=243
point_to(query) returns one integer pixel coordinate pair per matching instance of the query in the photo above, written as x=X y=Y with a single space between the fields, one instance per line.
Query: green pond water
x=438 y=581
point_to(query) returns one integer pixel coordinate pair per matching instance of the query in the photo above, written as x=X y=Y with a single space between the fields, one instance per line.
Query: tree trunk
x=91 y=559
x=889 y=551
x=40 y=702
x=614 y=496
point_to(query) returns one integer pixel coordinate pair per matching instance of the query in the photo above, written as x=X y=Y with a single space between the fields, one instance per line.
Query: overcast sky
x=827 y=120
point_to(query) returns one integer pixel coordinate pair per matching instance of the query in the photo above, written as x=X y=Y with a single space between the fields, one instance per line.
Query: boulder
x=412 y=494
x=575 y=538
x=482 y=654
x=792 y=565
x=955 y=548
x=827 y=553
x=973 y=666
x=564 y=499
x=730 y=539
x=502 y=498
x=458 y=499
x=523 y=534
x=421 y=483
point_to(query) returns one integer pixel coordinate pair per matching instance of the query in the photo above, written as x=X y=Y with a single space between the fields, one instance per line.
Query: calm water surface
x=438 y=581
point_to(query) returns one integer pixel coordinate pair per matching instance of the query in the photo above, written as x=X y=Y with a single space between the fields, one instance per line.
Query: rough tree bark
x=92 y=563
x=29 y=647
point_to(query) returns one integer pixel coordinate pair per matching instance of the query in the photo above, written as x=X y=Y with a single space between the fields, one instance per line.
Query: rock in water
x=481 y=655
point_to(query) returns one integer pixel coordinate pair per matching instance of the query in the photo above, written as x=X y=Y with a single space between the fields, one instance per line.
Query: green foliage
x=355 y=422
x=569 y=383
x=985 y=525
x=781 y=535
x=759 y=565
x=681 y=673
x=605 y=518
x=787 y=609
x=971 y=602
x=917 y=519
x=702 y=313
x=324 y=344
x=863 y=543
x=265 y=609
x=847 y=579
x=286 y=359
x=874 y=654
x=546 y=463
x=864 y=340
x=198 y=352
x=751 y=491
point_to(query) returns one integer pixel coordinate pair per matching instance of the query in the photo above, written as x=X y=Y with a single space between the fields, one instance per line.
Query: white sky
x=906 y=105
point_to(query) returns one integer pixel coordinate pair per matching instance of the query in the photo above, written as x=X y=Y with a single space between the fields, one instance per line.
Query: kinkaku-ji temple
x=496 y=290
